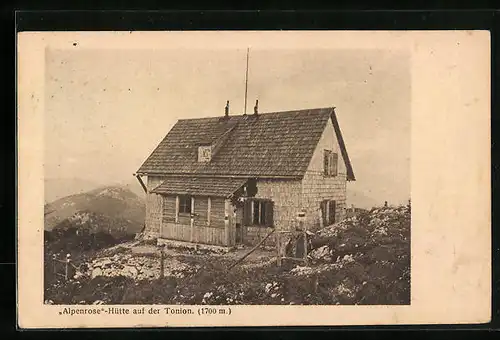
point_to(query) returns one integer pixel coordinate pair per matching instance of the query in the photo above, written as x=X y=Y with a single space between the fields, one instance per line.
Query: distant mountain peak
x=106 y=207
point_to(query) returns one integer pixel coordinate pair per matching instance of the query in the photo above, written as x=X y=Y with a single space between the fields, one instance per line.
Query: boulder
x=96 y=272
x=129 y=271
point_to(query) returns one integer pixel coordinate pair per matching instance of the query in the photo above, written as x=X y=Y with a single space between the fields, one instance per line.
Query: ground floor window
x=259 y=212
x=185 y=204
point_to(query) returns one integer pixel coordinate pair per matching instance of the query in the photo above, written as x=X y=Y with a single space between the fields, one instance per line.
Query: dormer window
x=204 y=153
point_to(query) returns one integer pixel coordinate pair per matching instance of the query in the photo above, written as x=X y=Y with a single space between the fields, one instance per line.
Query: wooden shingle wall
x=153 y=208
x=287 y=200
x=202 y=232
x=317 y=187
x=168 y=208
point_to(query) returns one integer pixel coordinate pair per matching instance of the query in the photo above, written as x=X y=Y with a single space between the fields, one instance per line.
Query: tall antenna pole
x=246 y=82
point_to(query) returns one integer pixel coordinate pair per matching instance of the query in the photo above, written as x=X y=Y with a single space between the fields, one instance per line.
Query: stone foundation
x=182 y=244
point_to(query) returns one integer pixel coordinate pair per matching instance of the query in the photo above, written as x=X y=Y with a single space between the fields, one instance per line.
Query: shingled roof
x=267 y=145
x=202 y=186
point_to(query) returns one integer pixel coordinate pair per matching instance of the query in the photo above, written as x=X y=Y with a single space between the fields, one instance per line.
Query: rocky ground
x=364 y=259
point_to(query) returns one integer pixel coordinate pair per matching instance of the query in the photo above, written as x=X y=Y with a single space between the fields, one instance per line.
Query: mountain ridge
x=108 y=208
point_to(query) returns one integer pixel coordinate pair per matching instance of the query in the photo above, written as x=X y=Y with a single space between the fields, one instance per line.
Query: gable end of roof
x=343 y=149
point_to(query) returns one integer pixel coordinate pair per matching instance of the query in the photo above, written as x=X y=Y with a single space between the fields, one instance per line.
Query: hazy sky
x=106 y=110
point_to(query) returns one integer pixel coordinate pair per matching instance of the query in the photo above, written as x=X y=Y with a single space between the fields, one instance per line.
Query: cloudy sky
x=106 y=110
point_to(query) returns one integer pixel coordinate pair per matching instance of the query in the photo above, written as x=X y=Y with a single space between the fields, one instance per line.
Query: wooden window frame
x=263 y=215
x=201 y=149
x=332 y=206
x=330 y=163
x=182 y=211
x=327 y=206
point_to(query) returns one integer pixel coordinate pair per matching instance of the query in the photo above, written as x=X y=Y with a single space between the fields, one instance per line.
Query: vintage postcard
x=184 y=179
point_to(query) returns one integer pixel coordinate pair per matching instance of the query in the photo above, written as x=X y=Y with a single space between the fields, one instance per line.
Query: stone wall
x=153 y=208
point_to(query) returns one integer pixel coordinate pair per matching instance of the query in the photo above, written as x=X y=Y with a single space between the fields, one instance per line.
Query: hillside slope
x=109 y=209
x=363 y=260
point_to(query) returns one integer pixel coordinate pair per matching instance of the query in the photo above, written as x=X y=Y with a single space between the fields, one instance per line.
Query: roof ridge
x=260 y=113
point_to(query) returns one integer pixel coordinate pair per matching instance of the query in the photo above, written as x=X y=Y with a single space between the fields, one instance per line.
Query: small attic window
x=204 y=153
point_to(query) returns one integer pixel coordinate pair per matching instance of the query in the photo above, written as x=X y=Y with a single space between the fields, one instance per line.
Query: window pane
x=185 y=204
x=263 y=213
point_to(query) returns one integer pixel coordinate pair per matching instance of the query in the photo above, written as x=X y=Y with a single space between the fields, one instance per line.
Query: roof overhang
x=169 y=174
x=343 y=149
x=200 y=186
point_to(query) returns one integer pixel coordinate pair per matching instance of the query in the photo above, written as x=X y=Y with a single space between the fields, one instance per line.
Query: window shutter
x=331 y=212
x=325 y=162
x=323 y=212
x=247 y=213
x=269 y=214
x=335 y=158
x=256 y=212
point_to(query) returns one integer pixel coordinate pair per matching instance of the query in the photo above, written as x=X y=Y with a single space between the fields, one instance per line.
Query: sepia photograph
x=191 y=178
x=259 y=177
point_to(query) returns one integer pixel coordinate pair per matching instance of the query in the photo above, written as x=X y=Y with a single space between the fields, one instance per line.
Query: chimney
x=256 y=108
x=226 y=110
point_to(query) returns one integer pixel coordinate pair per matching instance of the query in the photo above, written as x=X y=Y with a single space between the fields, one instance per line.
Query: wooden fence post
x=305 y=246
x=226 y=223
x=162 y=261
x=192 y=228
x=278 y=248
x=66 y=271
x=192 y=218
x=54 y=267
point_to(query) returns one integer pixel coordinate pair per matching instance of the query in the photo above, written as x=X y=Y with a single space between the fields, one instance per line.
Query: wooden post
x=176 y=209
x=192 y=219
x=66 y=271
x=226 y=223
x=54 y=262
x=162 y=261
x=278 y=249
x=162 y=198
x=209 y=210
x=191 y=238
x=305 y=246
